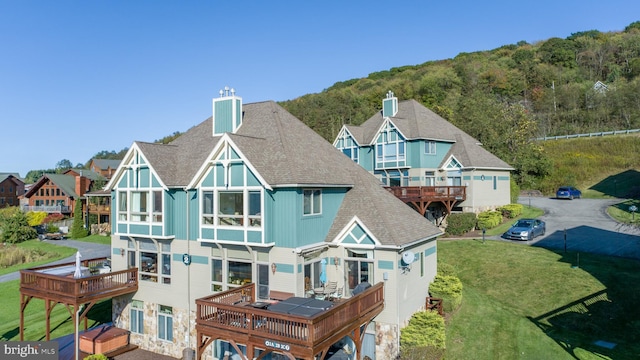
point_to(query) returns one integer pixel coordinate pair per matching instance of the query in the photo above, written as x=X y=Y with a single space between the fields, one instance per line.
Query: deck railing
x=229 y=311
x=429 y=192
x=47 y=209
x=99 y=208
x=38 y=283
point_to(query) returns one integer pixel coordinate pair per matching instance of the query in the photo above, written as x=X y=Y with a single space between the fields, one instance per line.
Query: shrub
x=458 y=224
x=55 y=217
x=36 y=218
x=489 y=219
x=77 y=228
x=424 y=337
x=52 y=228
x=96 y=357
x=511 y=211
x=449 y=289
x=14 y=226
x=446 y=269
x=515 y=190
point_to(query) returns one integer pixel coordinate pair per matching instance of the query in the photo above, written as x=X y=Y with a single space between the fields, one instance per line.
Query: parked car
x=568 y=192
x=525 y=229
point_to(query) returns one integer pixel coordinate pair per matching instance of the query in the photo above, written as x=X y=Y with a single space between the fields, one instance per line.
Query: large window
x=234 y=208
x=390 y=148
x=157 y=206
x=165 y=323
x=137 y=317
x=140 y=206
x=312 y=202
x=155 y=261
x=237 y=273
x=359 y=267
x=348 y=146
x=122 y=206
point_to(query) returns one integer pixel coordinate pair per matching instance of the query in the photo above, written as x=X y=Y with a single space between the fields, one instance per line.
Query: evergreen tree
x=77 y=229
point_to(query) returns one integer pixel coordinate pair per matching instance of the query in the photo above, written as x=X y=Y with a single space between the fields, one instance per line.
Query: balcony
x=235 y=316
x=94 y=208
x=56 y=284
x=423 y=196
x=48 y=208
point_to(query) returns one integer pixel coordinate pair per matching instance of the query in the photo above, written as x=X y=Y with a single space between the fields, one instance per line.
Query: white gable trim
x=381 y=127
x=224 y=141
x=447 y=164
x=345 y=131
x=346 y=230
x=125 y=164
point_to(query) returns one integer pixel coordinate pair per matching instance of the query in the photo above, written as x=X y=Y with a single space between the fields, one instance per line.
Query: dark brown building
x=11 y=188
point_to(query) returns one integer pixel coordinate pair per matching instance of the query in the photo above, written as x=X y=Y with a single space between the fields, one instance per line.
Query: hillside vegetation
x=506 y=96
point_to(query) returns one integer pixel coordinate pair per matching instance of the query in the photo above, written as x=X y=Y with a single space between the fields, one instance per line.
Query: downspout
x=188 y=275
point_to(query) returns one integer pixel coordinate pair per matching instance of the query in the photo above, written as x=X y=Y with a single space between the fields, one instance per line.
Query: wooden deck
x=420 y=197
x=229 y=316
x=56 y=284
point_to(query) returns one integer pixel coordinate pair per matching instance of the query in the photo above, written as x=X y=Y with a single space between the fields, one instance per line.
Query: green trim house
x=407 y=145
x=252 y=195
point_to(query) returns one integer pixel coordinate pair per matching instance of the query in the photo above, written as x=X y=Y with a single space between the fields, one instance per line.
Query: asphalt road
x=584 y=226
x=87 y=251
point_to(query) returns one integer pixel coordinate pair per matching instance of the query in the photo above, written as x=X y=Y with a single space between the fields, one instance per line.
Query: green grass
x=530 y=303
x=621 y=213
x=601 y=167
x=527 y=212
x=35 y=328
x=56 y=252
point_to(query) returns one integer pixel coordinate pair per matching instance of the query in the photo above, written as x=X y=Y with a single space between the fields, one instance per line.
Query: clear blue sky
x=79 y=77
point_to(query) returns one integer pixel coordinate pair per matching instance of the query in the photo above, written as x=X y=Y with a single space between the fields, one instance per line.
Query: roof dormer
x=227 y=112
x=390 y=105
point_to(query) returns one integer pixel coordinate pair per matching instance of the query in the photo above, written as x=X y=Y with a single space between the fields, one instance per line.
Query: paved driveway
x=87 y=250
x=585 y=225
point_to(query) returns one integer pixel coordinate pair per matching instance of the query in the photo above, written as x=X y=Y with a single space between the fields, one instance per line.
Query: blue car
x=568 y=192
x=525 y=229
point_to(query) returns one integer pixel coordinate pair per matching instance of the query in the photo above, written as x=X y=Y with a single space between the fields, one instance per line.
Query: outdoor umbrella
x=78 y=273
x=323 y=271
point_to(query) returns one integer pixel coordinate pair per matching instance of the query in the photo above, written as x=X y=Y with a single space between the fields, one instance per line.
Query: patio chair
x=330 y=288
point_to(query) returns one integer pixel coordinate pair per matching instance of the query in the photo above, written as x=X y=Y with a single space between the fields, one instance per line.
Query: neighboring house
x=426 y=161
x=600 y=87
x=104 y=167
x=11 y=188
x=253 y=202
x=57 y=193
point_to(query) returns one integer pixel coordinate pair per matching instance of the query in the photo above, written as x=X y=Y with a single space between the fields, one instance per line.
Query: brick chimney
x=82 y=185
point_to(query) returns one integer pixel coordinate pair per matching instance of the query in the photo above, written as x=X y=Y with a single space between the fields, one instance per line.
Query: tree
x=14 y=226
x=77 y=228
x=63 y=165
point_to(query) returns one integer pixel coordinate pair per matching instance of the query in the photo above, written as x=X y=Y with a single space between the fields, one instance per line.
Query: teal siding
x=144 y=178
x=122 y=228
x=385 y=265
x=366 y=157
x=135 y=229
x=116 y=251
x=208 y=178
x=154 y=181
x=194 y=220
x=238 y=114
x=430 y=251
x=208 y=234
x=114 y=218
x=223 y=113
x=169 y=212
x=288 y=227
x=197 y=259
x=503 y=178
x=237 y=174
x=123 y=181
x=284 y=268
x=176 y=217
x=252 y=180
x=254 y=237
x=230 y=235
x=156 y=230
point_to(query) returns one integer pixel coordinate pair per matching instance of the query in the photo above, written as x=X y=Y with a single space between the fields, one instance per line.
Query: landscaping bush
x=458 y=224
x=77 y=228
x=96 y=357
x=36 y=218
x=489 y=219
x=14 y=226
x=55 y=217
x=511 y=211
x=424 y=337
x=446 y=269
x=449 y=289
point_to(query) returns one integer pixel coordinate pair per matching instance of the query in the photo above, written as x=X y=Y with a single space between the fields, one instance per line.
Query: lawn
x=96 y=239
x=61 y=321
x=531 y=303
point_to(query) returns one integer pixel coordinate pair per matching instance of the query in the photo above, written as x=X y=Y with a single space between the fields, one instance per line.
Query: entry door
x=263 y=281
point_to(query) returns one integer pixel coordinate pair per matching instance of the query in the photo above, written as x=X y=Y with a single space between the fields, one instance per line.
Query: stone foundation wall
x=182 y=322
x=387 y=341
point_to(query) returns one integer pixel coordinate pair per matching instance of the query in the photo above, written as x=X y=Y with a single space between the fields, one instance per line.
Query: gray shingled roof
x=285 y=152
x=106 y=163
x=415 y=122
